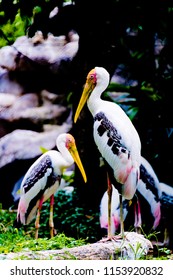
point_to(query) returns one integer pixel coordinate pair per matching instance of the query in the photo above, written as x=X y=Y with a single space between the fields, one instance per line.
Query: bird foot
x=113 y=238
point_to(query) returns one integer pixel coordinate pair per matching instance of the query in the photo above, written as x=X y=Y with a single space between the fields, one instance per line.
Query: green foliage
x=16 y=240
x=17 y=16
x=128 y=96
x=138 y=253
x=12 y=30
x=117 y=94
x=74 y=225
x=71 y=218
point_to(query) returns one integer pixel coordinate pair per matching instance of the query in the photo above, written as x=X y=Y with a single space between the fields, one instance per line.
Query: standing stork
x=115 y=137
x=43 y=178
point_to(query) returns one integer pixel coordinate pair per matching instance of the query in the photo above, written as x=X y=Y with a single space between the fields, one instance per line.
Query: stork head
x=68 y=141
x=97 y=78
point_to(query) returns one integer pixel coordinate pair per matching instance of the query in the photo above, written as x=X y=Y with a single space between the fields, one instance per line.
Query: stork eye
x=92 y=76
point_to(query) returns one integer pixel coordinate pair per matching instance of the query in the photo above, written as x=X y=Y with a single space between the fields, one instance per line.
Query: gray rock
x=43 y=51
x=26 y=110
x=7 y=100
x=8 y=84
x=25 y=144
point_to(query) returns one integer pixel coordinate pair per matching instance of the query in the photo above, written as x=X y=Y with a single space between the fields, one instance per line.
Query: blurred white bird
x=148 y=187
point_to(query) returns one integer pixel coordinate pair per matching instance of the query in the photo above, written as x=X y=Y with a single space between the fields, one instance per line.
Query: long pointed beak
x=75 y=155
x=85 y=94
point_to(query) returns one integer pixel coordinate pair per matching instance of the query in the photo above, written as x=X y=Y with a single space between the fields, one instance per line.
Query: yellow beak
x=88 y=88
x=74 y=152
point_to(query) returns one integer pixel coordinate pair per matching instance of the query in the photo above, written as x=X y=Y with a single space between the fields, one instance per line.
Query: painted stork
x=148 y=187
x=167 y=210
x=116 y=139
x=43 y=178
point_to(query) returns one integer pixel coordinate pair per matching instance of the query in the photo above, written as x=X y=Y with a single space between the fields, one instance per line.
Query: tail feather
x=149 y=178
x=130 y=185
x=21 y=212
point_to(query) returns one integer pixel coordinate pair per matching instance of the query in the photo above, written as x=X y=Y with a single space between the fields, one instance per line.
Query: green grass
x=71 y=218
x=20 y=240
x=74 y=224
x=17 y=240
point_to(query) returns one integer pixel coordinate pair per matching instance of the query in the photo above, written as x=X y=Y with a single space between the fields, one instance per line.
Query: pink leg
x=37 y=221
x=51 y=223
x=121 y=217
x=109 y=191
x=138 y=219
x=110 y=236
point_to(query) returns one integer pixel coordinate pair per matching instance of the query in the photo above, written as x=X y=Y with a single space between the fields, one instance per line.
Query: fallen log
x=135 y=246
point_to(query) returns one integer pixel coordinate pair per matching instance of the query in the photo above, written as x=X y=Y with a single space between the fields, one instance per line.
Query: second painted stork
x=167 y=210
x=43 y=178
x=116 y=139
x=148 y=190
